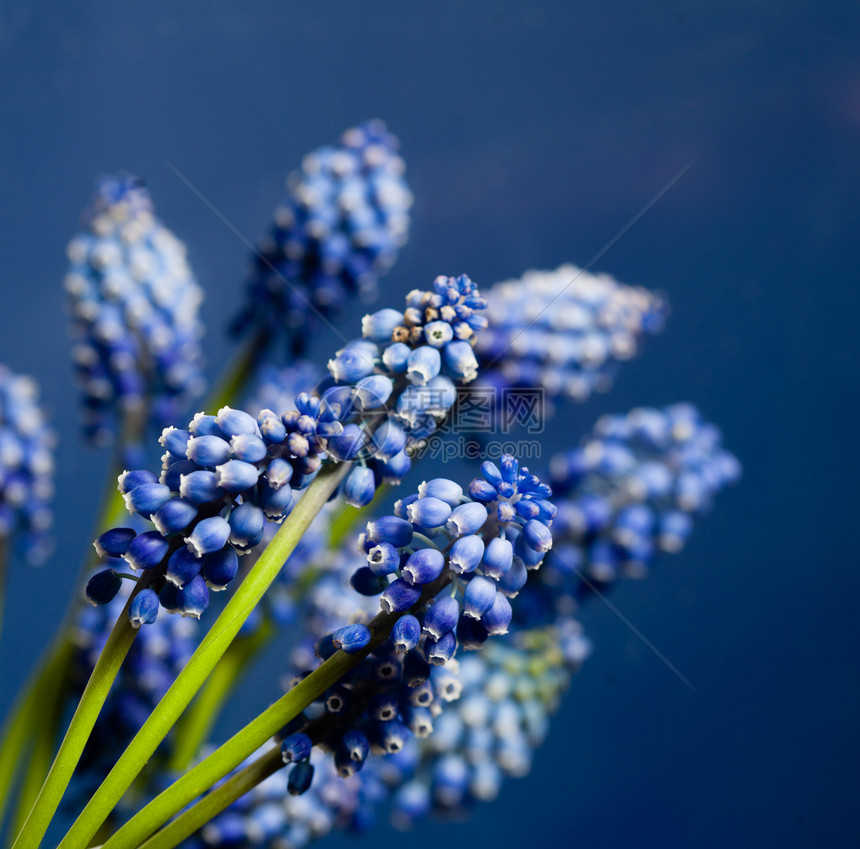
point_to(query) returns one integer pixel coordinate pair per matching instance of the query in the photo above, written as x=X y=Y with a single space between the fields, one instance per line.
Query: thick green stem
x=211 y=805
x=39 y=758
x=244 y=743
x=19 y=727
x=203 y=661
x=94 y=695
x=226 y=758
x=194 y=727
x=49 y=683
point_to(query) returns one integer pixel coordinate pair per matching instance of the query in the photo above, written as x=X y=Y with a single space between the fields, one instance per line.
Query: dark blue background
x=533 y=133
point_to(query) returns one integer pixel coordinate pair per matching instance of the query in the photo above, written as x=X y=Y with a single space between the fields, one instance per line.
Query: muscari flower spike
x=222 y=480
x=632 y=490
x=345 y=217
x=399 y=687
x=508 y=694
x=398 y=383
x=482 y=541
x=564 y=331
x=134 y=305
x=447 y=735
x=26 y=467
x=446 y=563
x=225 y=476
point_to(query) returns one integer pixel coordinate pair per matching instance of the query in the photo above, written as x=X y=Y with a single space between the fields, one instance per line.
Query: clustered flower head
x=482 y=542
x=632 y=489
x=344 y=219
x=134 y=305
x=404 y=373
x=445 y=566
x=269 y=816
x=26 y=467
x=222 y=479
x=507 y=696
x=564 y=330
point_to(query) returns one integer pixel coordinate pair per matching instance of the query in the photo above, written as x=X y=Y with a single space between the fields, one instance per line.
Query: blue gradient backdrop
x=533 y=133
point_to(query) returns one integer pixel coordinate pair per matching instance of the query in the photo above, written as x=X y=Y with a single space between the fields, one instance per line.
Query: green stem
x=202 y=662
x=26 y=718
x=211 y=805
x=50 y=682
x=40 y=756
x=226 y=758
x=107 y=666
x=245 y=742
x=195 y=726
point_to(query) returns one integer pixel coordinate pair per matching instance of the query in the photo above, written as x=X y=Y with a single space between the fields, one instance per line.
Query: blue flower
x=563 y=331
x=26 y=467
x=103 y=587
x=475 y=546
x=295 y=748
x=503 y=700
x=134 y=305
x=632 y=489
x=345 y=217
x=351 y=638
x=223 y=481
x=143 y=609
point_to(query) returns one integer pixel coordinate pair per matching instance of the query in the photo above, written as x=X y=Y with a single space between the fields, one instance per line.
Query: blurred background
x=533 y=133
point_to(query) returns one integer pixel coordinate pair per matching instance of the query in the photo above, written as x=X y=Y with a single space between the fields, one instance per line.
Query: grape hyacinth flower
x=403 y=375
x=270 y=816
x=221 y=481
x=439 y=537
x=507 y=696
x=470 y=724
x=345 y=217
x=411 y=348
x=134 y=305
x=633 y=488
x=482 y=541
x=26 y=467
x=225 y=476
x=399 y=685
x=564 y=331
